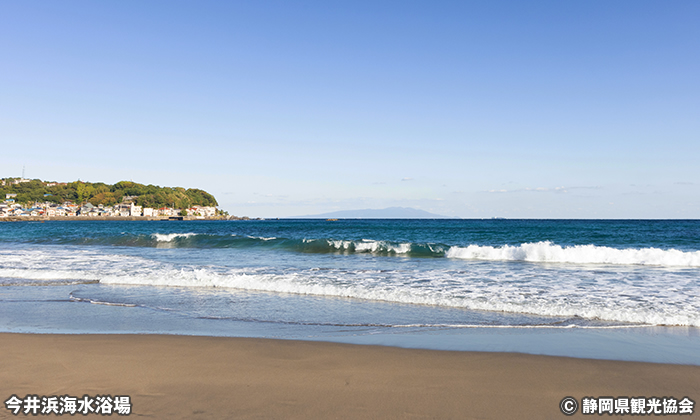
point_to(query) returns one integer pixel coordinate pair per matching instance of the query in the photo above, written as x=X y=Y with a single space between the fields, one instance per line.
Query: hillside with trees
x=80 y=192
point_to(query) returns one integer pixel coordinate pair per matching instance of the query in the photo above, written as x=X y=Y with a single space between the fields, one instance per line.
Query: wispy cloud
x=272 y=195
x=558 y=190
x=406 y=179
x=332 y=204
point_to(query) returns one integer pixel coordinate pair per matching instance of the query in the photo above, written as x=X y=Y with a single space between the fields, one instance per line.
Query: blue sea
x=612 y=289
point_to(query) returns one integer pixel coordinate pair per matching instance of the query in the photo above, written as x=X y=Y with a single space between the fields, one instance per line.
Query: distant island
x=37 y=198
x=387 y=213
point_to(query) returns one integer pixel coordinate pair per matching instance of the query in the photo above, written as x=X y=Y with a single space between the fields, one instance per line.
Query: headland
x=37 y=200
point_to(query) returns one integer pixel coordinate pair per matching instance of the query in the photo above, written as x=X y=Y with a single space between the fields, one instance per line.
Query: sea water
x=620 y=289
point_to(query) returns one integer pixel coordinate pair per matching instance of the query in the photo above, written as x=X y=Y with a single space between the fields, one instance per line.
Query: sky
x=473 y=109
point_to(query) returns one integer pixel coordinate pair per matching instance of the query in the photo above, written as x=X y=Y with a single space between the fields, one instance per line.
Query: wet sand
x=183 y=377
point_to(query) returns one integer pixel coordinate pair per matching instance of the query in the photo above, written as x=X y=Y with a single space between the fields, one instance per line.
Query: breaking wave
x=537 y=252
x=169 y=237
x=542 y=252
x=577 y=254
x=612 y=301
x=632 y=295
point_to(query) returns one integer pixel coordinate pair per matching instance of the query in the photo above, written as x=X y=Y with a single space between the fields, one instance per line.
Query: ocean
x=612 y=289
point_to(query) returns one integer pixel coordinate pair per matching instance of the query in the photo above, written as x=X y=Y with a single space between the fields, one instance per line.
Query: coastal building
x=89 y=210
x=70 y=209
x=9 y=208
x=135 y=210
x=124 y=210
x=166 y=212
x=202 y=211
x=86 y=209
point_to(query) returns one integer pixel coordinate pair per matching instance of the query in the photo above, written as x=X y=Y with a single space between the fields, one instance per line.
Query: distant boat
x=331 y=220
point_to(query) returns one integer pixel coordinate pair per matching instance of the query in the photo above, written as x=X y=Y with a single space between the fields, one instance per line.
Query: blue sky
x=561 y=109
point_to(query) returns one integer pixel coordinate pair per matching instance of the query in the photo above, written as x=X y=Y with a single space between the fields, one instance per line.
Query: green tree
x=101 y=193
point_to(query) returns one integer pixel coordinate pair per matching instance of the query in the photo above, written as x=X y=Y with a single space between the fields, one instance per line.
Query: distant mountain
x=388 y=213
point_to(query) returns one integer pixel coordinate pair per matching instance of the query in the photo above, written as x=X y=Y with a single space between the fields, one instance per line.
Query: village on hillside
x=126 y=208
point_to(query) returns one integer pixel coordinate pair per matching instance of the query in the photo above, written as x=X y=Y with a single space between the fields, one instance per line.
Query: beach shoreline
x=170 y=376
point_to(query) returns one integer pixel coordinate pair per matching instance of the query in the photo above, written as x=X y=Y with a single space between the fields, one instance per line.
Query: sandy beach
x=213 y=377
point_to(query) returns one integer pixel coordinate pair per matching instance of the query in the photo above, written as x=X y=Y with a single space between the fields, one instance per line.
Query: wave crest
x=577 y=254
x=169 y=237
x=362 y=246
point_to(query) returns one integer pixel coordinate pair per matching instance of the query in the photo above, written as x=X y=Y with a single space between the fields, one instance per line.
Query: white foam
x=98 y=302
x=370 y=246
x=544 y=326
x=609 y=301
x=51 y=263
x=634 y=294
x=262 y=238
x=169 y=237
x=47 y=275
x=578 y=254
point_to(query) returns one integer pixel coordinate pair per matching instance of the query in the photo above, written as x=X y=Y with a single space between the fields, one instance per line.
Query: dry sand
x=173 y=377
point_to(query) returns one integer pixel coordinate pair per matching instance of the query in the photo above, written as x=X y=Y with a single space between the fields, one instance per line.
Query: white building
x=165 y=211
x=135 y=210
x=202 y=211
